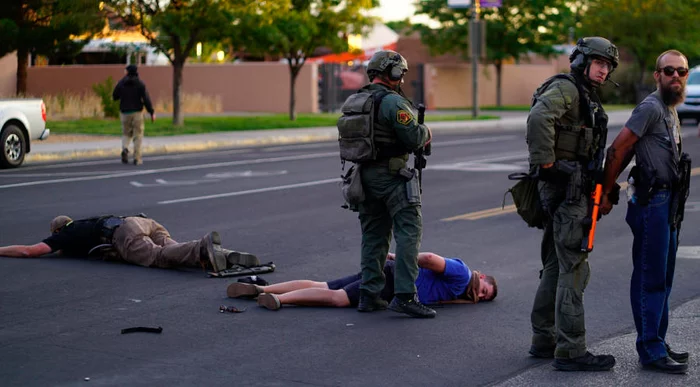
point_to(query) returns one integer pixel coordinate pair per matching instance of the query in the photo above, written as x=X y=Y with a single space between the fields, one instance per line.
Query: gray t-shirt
x=654 y=150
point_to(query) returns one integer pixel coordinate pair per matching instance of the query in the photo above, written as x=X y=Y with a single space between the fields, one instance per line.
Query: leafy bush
x=626 y=75
x=110 y=108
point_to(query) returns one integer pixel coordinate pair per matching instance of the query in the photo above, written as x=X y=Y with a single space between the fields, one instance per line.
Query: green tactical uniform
x=566 y=123
x=387 y=205
x=557 y=314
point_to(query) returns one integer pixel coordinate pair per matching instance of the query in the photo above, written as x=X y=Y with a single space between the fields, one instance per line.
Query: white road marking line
x=148 y=158
x=251 y=191
x=172 y=169
x=689 y=252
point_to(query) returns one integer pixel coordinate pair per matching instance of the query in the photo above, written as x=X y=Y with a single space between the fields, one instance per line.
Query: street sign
x=468 y=3
x=459 y=3
x=490 y=3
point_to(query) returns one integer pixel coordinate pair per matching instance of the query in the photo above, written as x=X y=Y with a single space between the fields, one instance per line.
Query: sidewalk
x=683 y=335
x=81 y=147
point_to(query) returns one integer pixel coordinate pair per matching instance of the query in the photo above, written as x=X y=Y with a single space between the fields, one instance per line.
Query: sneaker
x=125 y=156
x=211 y=244
x=369 y=302
x=243 y=290
x=269 y=301
x=412 y=307
x=138 y=162
x=241 y=258
x=587 y=362
x=541 y=353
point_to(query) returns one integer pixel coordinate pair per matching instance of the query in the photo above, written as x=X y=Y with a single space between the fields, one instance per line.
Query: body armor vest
x=360 y=136
x=572 y=142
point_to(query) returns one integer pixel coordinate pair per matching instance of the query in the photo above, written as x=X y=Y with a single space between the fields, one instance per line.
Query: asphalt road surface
x=60 y=318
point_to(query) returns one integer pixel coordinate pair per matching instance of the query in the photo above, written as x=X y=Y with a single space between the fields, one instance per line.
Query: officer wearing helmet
x=565 y=123
x=392 y=200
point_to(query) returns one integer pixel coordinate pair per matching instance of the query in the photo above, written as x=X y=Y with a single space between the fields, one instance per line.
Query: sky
x=395 y=9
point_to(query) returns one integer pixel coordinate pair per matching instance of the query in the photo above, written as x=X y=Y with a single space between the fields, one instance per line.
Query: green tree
x=46 y=27
x=175 y=27
x=515 y=29
x=294 y=29
x=400 y=26
x=644 y=29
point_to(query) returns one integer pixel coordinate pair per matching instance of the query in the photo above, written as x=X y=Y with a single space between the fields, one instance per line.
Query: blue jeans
x=654 y=258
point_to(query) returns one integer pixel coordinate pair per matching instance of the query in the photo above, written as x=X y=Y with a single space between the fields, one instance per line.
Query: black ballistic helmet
x=389 y=62
x=590 y=47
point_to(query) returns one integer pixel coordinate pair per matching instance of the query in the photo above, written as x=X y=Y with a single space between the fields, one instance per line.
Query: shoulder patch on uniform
x=403 y=117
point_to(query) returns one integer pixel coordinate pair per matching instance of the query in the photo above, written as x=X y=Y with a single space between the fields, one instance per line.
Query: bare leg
x=290 y=286
x=315 y=297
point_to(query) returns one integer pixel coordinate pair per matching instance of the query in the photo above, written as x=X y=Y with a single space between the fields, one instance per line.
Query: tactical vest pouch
x=351 y=187
x=526 y=198
x=573 y=143
x=356 y=126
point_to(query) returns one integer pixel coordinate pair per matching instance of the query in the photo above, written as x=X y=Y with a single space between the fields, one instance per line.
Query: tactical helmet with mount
x=591 y=47
x=389 y=62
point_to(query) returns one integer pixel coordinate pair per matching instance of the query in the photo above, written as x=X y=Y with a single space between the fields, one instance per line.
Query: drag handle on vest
x=419 y=161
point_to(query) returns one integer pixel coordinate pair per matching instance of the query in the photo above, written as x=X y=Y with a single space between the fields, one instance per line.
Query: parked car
x=21 y=120
x=690 y=108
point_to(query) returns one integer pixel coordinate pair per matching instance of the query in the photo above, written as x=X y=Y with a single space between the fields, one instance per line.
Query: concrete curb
x=201 y=142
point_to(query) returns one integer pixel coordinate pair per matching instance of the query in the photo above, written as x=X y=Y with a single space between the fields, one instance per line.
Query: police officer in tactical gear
x=392 y=196
x=563 y=128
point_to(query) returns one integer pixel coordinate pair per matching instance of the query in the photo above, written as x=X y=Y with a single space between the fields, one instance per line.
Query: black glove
x=614 y=194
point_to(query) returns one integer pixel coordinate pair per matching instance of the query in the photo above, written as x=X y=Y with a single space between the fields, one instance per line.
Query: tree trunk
x=178 y=115
x=294 y=71
x=499 y=73
x=22 y=65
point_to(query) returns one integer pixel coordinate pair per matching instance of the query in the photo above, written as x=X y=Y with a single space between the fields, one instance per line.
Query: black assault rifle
x=419 y=160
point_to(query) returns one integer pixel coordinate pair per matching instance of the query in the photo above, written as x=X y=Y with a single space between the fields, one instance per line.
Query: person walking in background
x=132 y=96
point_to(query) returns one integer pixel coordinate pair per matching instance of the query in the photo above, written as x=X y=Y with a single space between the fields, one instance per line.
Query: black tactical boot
x=541 y=353
x=369 y=302
x=587 y=362
x=410 y=305
x=125 y=156
x=211 y=254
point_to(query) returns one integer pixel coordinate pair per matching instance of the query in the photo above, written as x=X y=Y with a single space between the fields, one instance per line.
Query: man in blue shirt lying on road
x=440 y=281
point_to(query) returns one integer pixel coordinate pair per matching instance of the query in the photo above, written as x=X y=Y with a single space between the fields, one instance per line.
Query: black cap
x=132 y=70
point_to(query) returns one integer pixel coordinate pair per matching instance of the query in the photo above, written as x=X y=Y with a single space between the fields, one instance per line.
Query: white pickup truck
x=21 y=120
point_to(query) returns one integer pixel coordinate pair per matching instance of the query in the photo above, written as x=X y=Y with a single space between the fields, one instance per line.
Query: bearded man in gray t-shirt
x=652 y=134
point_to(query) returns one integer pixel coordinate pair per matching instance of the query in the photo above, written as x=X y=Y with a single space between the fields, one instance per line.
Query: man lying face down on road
x=440 y=281
x=133 y=239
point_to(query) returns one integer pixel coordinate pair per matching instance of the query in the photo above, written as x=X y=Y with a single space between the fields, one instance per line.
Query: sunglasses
x=669 y=70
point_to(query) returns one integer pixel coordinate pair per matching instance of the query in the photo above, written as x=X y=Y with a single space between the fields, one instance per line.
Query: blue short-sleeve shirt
x=435 y=287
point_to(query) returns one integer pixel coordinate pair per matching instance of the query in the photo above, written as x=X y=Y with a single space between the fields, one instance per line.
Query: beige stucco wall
x=450 y=85
x=253 y=87
x=8 y=75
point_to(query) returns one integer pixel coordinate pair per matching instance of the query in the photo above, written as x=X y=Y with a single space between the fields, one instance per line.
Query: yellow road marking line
x=491 y=212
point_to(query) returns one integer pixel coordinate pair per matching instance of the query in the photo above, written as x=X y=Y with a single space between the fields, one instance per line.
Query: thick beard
x=672 y=97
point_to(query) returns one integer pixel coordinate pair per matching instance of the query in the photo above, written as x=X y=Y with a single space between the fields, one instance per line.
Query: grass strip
x=196 y=125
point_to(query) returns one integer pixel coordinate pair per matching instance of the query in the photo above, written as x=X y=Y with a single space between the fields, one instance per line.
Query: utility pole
x=474 y=45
